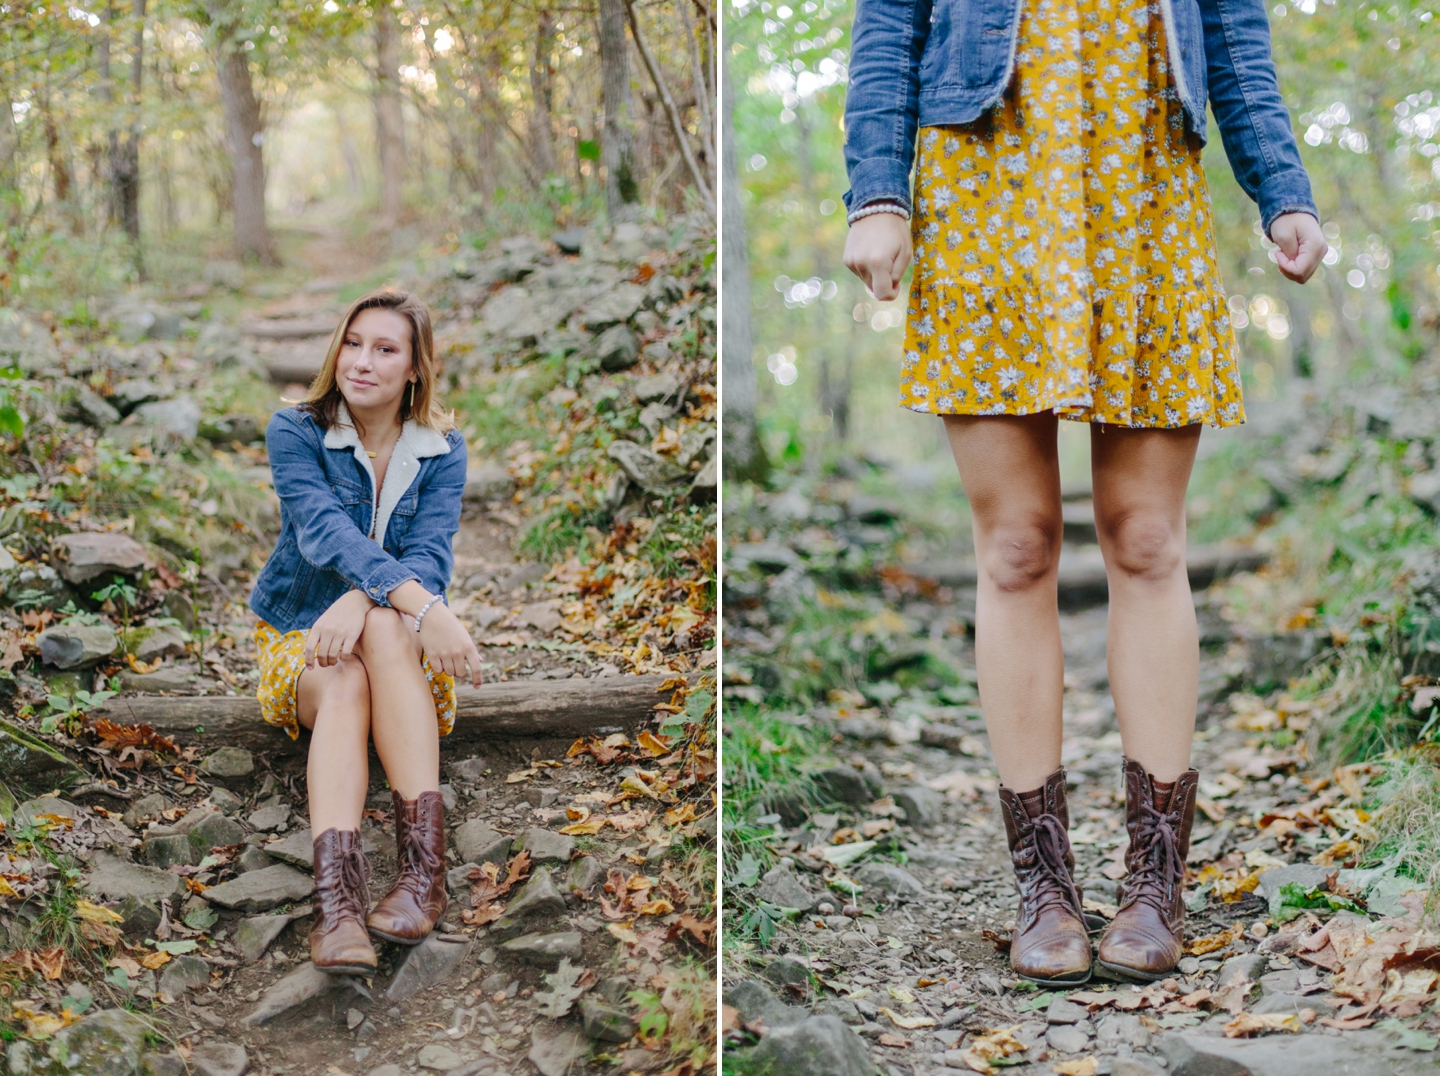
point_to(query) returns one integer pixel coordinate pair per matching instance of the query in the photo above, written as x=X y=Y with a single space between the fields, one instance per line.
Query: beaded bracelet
x=879 y=207
x=423 y=610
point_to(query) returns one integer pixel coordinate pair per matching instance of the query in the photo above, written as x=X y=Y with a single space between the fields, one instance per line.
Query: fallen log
x=507 y=710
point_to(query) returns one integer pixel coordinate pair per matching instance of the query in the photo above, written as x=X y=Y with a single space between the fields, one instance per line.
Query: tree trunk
x=245 y=137
x=617 y=146
x=389 y=128
x=542 y=92
x=126 y=158
x=744 y=456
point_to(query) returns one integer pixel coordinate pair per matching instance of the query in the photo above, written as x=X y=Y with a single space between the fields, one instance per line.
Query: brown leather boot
x=1144 y=941
x=1050 y=945
x=338 y=942
x=418 y=898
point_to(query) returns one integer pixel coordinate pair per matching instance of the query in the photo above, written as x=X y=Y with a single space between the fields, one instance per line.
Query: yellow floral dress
x=282 y=659
x=1064 y=249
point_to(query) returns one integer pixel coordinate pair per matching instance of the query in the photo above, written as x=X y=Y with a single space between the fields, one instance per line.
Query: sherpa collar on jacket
x=416 y=442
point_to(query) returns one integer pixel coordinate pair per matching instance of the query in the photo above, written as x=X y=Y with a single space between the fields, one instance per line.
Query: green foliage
x=67 y=712
x=1296 y=898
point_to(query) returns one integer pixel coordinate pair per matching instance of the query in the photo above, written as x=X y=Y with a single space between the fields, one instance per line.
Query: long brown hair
x=324 y=399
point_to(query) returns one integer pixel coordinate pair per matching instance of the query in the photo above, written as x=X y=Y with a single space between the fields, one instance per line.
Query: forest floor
x=868 y=890
x=157 y=898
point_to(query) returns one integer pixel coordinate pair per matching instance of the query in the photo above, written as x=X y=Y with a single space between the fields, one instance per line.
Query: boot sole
x=1058 y=983
x=1134 y=973
x=397 y=939
x=347 y=969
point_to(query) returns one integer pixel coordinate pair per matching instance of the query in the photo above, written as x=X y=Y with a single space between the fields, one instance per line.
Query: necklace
x=373 y=455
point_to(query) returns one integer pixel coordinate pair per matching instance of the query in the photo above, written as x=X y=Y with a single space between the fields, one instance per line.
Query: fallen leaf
x=563 y=992
x=653 y=745
x=129 y=966
x=909 y=1023
x=678 y=816
x=520 y=775
x=1215 y=942
x=156 y=960
x=1249 y=1023
x=51 y=962
x=1084 y=1066
x=990 y=1047
x=895 y=1041
x=96 y=913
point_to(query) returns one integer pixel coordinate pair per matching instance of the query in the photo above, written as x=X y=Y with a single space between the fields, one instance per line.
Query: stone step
x=1082 y=580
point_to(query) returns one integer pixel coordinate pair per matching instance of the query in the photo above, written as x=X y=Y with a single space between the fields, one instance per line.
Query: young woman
x=355 y=640
x=1065 y=268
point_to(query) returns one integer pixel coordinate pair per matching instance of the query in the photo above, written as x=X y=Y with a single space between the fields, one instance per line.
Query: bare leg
x=334 y=703
x=1153 y=644
x=1011 y=474
x=402 y=710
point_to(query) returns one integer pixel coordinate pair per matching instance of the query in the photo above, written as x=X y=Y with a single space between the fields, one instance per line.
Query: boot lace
x=348 y=889
x=418 y=864
x=1156 y=869
x=1040 y=865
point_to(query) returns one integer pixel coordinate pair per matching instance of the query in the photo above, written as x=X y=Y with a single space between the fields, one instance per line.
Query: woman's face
x=375 y=367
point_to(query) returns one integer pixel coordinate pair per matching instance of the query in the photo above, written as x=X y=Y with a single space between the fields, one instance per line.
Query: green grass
x=1405 y=813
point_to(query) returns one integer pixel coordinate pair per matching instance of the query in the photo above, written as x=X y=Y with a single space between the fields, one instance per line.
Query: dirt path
x=917 y=966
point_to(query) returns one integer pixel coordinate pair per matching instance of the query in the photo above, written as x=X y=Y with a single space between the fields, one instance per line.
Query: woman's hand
x=1302 y=245
x=448 y=643
x=878 y=251
x=338 y=630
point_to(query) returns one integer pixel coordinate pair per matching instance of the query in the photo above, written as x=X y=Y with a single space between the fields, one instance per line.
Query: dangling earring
x=412 y=397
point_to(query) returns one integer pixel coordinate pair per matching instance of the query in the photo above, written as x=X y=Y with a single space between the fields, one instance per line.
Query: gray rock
x=488 y=482
x=846 y=784
x=545 y=846
x=77 y=646
x=112 y=878
x=301 y=985
x=438 y=1057
x=253 y=859
x=788 y=971
x=844 y=1008
x=138 y=917
x=1293 y=1003
x=1064 y=1011
x=80 y=558
x=702 y=490
x=1116 y=1028
x=228 y=428
x=653 y=416
x=94 y=409
x=179 y=417
x=1285 y=981
x=614 y=307
x=298 y=848
x=1425 y=490
x=819 y=1045
x=546 y=950
x=165 y=852
x=269 y=818
x=1134 y=1066
x=30 y=810
x=543 y=617
x=780 y=885
x=605 y=1022
x=921 y=805
x=222 y=799
x=132 y=392
x=184 y=973
x=1245 y=966
x=147 y=644
x=457 y=879
x=28 y=344
x=228 y=762
x=220 y=1059
x=1275 y=660
x=554 y=1048
x=172 y=678
x=541 y=797
x=254 y=935
x=145 y=809
x=259 y=891
x=660 y=387
x=1067 y=1038
x=386 y=1070
x=893 y=880
x=570 y=241
x=215 y=831
x=538 y=901
x=648 y=470
x=29 y=761
x=467 y=769
x=106 y=1043
x=586 y=872
x=478 y=842
x=169 y=1064
x=426 y=965
x=1192 y=1053
x=757 y=1005
x=617 y=348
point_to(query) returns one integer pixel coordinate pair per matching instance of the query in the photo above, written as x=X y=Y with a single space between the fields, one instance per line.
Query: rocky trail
x=872 y=913
x=154 y=906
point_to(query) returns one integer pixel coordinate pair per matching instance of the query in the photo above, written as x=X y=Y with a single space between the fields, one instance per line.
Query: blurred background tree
x=130 y=130
x=1359 y=81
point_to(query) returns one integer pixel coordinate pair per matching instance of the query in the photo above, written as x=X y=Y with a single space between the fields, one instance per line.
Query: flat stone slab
x=546 y=846
x=546 y=950
x=425 y=965
x=479 y=842
x=113 y=878
x=81 y=557
x=554 y=1048
x=820 y=1044
x=220 y=1059
x=228 y=762
x=1358 y=1053
x=301 y=985
x=259 y=891
x=269 y=818
x=254 y=935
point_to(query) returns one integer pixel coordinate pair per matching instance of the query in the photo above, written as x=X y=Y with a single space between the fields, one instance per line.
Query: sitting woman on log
x=355 y=640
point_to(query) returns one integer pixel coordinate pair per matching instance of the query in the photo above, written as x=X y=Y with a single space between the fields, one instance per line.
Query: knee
x=384 y=633
x=1021 y=555
x=346 y=695
x=1145 y=545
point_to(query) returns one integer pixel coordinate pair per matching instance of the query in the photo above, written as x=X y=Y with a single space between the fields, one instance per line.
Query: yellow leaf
x=154 y=961
x=622 y=933
x=521 y=775
x=909 y=1023
x=900 y=994
x=585 y=829
x=615 y=739
x=653 y=745
x=577 y=814
x=658 y=906
x=678 y=816
x=97 y=914
x=131 y=967
x=992 y=1046
x=635 y=784
x=6 y=891
x=1201 y=946
x=1248 y=1023
x=1083 y=1066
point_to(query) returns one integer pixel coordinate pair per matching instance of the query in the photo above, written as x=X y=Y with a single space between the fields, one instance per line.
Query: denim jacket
x=328 y=511
x=928 y=63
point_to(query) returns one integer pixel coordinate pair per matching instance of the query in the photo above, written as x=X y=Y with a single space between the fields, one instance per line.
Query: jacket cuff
x=878 y=179
x=1285 y=192
x=379 y=585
